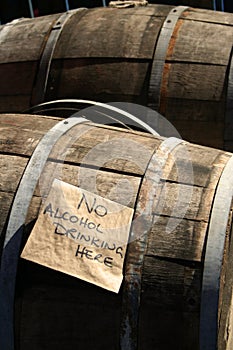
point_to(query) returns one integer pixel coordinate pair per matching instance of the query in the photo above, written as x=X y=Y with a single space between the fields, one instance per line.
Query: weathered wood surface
x=106 y=54
x=55 y=311
x=14 y=36
x=205 y=4
x=217 y=17
x=121 y=31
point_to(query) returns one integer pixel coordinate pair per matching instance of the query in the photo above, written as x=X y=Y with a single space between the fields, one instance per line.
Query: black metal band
x=138 y=242
x=11 y=251
x=228 y=127
x=160 y=56
x=213 y=259
x=40 y=87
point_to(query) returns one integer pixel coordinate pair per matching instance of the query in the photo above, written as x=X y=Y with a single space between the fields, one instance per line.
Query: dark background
x=12 y=9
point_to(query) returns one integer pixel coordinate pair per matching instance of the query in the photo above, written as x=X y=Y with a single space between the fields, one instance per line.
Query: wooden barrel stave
x=164 y=256
x=209 y=16
x=56 y=311
x=225 y=318
x=104 y=61
x=195 y=73
x=205 y=4
x=69 y=172
x=19 y=61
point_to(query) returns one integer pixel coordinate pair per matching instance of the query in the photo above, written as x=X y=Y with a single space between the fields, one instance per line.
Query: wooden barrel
x=178 y=267
x=176 y=60
x=205 y=4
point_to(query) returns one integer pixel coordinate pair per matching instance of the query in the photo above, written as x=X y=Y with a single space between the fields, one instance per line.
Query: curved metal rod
x=76 y=110
x=104 y=105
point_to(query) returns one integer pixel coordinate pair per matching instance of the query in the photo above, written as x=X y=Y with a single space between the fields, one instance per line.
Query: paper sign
x=81 y=234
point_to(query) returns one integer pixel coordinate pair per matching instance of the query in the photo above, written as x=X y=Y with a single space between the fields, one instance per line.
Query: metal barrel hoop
x=15 y=228
x=228 y=130
x=213 y=259
x=160 y=55
x=137 y=248
x=40 y=88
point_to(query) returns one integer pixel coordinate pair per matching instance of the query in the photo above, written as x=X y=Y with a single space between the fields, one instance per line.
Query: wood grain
x=112 y=163
x=106 y=55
